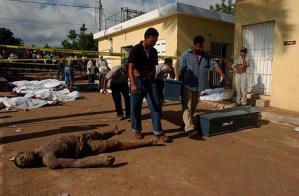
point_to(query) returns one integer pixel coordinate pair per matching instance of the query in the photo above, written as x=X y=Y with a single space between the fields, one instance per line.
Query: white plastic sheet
x=22 y=87
x=216 y=94
x=37 y=94
x=50 y=95
x=22 y=103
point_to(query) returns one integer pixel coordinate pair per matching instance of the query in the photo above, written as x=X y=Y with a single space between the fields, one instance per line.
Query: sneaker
x=138 y=135
x=163 y=138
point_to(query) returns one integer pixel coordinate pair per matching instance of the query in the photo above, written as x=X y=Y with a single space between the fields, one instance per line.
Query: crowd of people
x=146 y=77
x=140 y=77
x=146 y=81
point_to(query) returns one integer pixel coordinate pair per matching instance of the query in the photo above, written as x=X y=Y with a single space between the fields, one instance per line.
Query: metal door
x=258 y=39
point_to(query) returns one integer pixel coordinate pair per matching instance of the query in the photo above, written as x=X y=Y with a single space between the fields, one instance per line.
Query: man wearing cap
x=241 y=65
x=119 y=85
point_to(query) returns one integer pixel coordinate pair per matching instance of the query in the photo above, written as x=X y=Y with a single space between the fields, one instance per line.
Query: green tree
x=81 y=41
x=228 y=7
x=47 y=46
x=7 y=38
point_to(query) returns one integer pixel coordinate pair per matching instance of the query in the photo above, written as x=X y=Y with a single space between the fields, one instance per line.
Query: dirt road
x=263 y=161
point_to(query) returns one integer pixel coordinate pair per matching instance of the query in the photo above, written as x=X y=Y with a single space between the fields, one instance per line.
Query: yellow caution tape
x=81 y=52
x=58 y=59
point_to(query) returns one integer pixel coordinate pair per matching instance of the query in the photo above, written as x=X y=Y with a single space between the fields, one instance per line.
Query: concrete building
x=177 y=24
x=270 y=30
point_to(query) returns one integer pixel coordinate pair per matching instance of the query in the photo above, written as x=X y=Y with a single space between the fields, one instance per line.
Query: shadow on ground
x=60 y=117
x=66 y=129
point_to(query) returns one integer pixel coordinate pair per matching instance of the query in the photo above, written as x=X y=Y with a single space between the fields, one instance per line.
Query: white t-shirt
x=240 y=61
x=103 y=66
x=90 y=67
x=162 y=71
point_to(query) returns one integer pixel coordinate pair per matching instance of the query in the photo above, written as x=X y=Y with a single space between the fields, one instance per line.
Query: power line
x=43 y=22
x=32 y=25
x=39 y=26
x=53 y=4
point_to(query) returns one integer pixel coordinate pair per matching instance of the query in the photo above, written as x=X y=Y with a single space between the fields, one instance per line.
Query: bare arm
x=134 y=88
x=106 y=82
x=228 y=64
x=217 y=69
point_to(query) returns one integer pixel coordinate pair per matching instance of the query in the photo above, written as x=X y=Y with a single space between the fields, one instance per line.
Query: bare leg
x=113 y=145
x=71 y=86
x=136 y=144
x=103 y=135
x=99 y=161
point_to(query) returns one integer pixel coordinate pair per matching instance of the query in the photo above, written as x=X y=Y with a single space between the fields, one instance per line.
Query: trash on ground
x=12 y=159
x=19 y=130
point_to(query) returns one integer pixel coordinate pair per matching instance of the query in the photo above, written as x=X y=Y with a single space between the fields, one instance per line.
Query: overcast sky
x=40 y=24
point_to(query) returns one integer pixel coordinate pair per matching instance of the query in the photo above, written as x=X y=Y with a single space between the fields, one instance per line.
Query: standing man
x=240 y=66
x=61 y=64
x=69 y=74
x=119 y=85
x=102 y=65
x=90 y=71
x=162 y=72
x=194 y=69
x=143 y=59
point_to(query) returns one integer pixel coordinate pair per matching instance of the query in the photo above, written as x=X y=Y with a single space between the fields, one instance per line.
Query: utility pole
x=100 y=11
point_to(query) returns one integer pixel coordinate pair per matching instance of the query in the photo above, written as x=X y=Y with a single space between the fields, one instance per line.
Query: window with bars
x=161 y=48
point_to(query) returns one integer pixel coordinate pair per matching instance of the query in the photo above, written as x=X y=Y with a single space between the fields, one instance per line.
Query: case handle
x=225 y=124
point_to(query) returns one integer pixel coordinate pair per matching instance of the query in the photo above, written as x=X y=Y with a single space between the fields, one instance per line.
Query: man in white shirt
x=241 y=65
x=90 y=71
x=119 y=85
x=102 y=65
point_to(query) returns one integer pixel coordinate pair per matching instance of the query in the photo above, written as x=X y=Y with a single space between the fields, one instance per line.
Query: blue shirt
x=195 y=73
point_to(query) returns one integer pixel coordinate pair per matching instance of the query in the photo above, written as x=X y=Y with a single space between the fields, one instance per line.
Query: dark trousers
x=91 y=78
x=160 y=86
x=101 y=80
x=117 y=90
x=160 y=89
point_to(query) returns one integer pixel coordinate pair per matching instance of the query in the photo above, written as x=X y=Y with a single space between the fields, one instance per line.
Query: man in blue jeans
x=143 y=59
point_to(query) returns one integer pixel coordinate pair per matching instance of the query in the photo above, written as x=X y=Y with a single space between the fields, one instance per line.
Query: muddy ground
x=262 y=161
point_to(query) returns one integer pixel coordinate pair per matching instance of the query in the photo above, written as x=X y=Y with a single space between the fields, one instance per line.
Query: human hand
x=222 y=78
x=134 y=88
x=104 y=91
